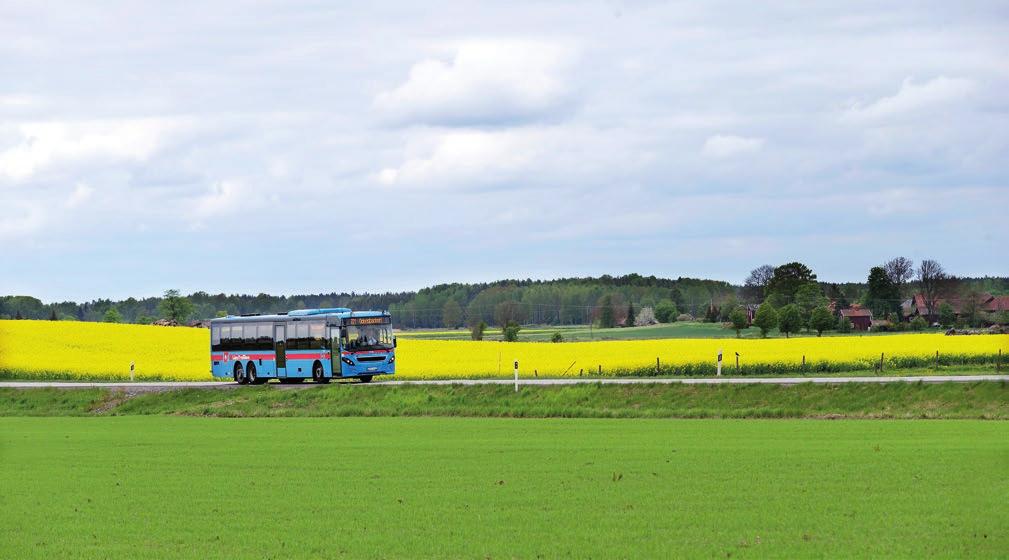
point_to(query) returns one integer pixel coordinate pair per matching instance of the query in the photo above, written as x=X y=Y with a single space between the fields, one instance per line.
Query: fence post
x=936 y=359
x=132 y=364
x=881 y=362
x=657 y=370
x=600 y=369
x=719 y=362
x=516 y=376
x=998 y=362
x=737 y=363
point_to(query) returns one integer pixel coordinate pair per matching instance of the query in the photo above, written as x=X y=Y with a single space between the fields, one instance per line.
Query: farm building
x=860 y=317
x=987 y=303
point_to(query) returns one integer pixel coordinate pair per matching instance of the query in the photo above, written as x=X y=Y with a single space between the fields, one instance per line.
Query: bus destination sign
x=367 y=321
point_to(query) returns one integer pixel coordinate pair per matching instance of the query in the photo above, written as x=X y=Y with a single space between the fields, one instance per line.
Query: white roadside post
x=719 y=361
x=132 y=364
x=516 y=376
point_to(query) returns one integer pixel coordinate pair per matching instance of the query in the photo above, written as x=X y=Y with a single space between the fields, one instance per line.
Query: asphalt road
x=169 y=385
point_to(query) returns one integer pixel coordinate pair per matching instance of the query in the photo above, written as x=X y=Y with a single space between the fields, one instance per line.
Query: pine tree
x=630 y=315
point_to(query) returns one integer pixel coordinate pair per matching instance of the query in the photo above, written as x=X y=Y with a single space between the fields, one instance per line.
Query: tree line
x=606 y=301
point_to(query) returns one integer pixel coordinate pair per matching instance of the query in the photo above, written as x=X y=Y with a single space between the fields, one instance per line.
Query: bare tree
x=899 y=270
x=753 y=288
x=932 y=280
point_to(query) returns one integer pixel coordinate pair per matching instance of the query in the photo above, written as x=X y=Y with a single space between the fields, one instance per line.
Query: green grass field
x=155 y=486
x=581 y=333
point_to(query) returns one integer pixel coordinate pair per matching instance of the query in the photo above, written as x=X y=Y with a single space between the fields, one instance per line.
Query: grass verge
x=981 y=400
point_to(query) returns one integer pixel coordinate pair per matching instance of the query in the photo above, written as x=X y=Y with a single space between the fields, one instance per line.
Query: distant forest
x=566 y=301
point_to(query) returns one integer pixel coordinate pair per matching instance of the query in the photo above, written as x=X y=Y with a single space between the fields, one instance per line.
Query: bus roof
x=302 y=314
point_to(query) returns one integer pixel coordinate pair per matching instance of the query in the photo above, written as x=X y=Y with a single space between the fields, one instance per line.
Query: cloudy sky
x=295 y=147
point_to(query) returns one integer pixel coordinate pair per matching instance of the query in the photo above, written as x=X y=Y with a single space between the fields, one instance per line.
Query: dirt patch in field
x=113 y=399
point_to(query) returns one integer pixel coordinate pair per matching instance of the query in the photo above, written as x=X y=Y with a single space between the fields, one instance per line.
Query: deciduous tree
x=790 y=319
x=766 y=318
x=738 y=319
x=821 y=320
x=451 y=314
x=786 y=281
x=176 y=307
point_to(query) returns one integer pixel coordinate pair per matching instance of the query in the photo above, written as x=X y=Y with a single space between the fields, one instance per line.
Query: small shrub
x=511 y=331
x=844 y=325
x=684 y=317
x=918 y=324
x=557 y=337
x=477 y=329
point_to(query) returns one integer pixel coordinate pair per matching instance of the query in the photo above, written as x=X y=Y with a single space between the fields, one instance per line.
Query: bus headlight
x=347 y=361
x=392 y=359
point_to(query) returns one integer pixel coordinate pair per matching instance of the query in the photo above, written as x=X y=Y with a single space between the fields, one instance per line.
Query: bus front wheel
x=318 y=374
x=240 y=375
x=365 y=379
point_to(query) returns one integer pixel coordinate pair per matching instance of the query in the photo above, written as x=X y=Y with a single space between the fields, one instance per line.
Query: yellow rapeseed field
x=97 y=350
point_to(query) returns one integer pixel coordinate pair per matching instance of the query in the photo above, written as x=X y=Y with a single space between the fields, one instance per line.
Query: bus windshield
x=367 y=337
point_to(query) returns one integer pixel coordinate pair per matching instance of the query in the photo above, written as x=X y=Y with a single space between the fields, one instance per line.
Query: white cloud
x=728 y=145
x=465 y=157
x=488 y=81
x=18 y=100
x=42 y=144
x=80 y=195
x=913 y=97
x=225 y=197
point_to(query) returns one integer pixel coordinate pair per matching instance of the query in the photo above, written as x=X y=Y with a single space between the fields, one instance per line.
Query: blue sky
x=293 y=147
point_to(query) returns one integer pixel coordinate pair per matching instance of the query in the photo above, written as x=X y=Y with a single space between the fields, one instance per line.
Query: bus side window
x=264 y=336
x=215 y=338
x=317 y=333
x=226 y=337
x=304 y=342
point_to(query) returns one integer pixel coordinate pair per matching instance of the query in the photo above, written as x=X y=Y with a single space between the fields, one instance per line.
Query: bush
x=919 y=324
x=684 y=317
x=1002 y=318
x=511 y=331
x=477 y=329
x=665 y=311
x=844 y=325
x=557 y=337
x=946 y=315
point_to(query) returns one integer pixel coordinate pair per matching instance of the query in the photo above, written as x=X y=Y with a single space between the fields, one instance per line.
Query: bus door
x=280 y=347
x=335 y=351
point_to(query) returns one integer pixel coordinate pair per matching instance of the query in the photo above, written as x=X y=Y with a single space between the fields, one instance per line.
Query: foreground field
x=44 y=349
x=501 y=488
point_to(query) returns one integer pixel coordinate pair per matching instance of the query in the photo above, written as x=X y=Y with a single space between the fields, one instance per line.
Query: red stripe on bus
x=229 y=356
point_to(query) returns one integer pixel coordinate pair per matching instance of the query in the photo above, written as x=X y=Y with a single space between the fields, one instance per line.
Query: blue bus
x=320 y=344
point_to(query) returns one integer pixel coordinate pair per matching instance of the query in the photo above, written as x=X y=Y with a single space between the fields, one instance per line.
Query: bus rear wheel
x=318 y=374
x=250 y=374
x=240 y=375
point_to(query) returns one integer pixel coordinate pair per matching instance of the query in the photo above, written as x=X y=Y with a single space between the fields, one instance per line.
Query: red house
x=861 y=318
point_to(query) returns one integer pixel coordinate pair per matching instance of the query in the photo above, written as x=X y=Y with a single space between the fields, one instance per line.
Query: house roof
x=985 y=300
x=1000 y=303
x=856 y=312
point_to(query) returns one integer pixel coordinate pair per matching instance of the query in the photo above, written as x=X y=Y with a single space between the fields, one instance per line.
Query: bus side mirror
x=393 y=342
